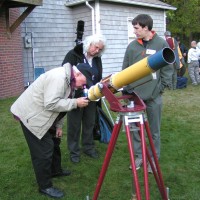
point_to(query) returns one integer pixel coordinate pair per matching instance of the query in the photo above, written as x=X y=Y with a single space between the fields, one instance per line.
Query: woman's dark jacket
x=76 y=56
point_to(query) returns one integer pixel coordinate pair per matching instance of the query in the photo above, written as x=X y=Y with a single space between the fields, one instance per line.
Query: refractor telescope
x=133 y=73
x=79 y=32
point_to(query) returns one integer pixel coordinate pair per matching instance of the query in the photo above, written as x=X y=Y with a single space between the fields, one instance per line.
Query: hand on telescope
x=82 y=102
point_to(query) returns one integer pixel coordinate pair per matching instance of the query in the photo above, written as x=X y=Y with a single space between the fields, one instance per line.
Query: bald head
x=193 y=44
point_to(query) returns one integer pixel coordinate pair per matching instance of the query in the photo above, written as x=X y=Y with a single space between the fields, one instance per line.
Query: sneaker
x=194 y=84
x=62 y=172
x=75 y=159
x=150 y=169
x=94 y=154
x=52 y=192
x=138 y=163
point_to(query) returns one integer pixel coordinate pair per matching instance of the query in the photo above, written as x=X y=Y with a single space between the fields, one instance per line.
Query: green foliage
x=179 y=160
x=185 y=20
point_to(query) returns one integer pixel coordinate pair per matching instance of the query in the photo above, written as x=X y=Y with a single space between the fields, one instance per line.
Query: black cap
x=86 y=70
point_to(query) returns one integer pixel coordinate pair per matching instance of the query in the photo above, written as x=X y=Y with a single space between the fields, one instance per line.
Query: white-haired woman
x=81 y=122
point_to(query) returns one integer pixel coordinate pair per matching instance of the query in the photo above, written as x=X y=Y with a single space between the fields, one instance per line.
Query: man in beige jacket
x=40 y=110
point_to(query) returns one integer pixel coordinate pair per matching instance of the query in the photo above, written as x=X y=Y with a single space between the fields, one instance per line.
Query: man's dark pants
x=45 y=155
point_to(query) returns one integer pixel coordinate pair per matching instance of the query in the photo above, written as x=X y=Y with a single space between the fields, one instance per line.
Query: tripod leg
x=135 y=176
x=144 y=160
x=107 y=158
x=153 y=168
x=160 y=182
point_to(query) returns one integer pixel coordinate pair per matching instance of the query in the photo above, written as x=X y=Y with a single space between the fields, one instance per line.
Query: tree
x=185 y=21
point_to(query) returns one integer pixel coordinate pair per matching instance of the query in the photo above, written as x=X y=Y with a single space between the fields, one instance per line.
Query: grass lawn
x=180 y=160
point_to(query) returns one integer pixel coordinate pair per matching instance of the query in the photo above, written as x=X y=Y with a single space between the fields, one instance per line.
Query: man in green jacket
x=40 y=110
x=146 y=44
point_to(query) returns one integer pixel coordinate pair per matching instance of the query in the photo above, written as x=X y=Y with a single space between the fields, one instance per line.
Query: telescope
x=133 y=73
x=79 y=32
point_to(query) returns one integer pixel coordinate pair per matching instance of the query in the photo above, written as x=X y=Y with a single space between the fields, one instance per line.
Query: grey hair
x=167 y=33
x=94 y=39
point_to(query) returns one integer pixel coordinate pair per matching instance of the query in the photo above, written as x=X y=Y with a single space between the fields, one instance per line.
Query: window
x=131 y=35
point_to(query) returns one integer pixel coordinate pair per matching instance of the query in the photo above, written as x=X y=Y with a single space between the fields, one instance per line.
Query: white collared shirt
x=89 y=60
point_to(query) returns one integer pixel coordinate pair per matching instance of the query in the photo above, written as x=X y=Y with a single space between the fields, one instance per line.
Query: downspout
x=92 y=10
x=98 y=20
x=33 y=54
x=165 y=21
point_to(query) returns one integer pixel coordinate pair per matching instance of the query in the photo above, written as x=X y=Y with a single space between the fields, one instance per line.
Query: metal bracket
x=12 y=28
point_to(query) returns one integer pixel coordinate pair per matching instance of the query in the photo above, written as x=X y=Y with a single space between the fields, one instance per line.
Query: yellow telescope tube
x=126 y=76
x=134 y=72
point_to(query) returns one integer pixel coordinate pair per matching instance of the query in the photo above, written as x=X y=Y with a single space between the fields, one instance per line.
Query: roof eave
x=167 y=7
x=76 y=2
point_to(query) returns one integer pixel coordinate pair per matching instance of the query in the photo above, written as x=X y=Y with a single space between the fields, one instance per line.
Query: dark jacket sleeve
x=99 y=67
x=70 y=58
x=74 y=56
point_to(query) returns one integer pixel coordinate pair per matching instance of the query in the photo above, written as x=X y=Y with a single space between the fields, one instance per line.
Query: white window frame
x=131 y=35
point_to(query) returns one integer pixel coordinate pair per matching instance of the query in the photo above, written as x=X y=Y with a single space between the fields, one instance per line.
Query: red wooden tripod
x=127 y=116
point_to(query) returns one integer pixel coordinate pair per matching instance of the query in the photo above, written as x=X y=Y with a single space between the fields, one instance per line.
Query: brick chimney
x=11 y=65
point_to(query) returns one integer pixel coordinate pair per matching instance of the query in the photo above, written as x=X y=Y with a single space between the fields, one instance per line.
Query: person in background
x=40 y=110
x=183 y=48
x=176 y=66
x=183 y=58
x=193 y=63
x=87 y=55
x=198 y=46
x=147 y=43
x=182 y=67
